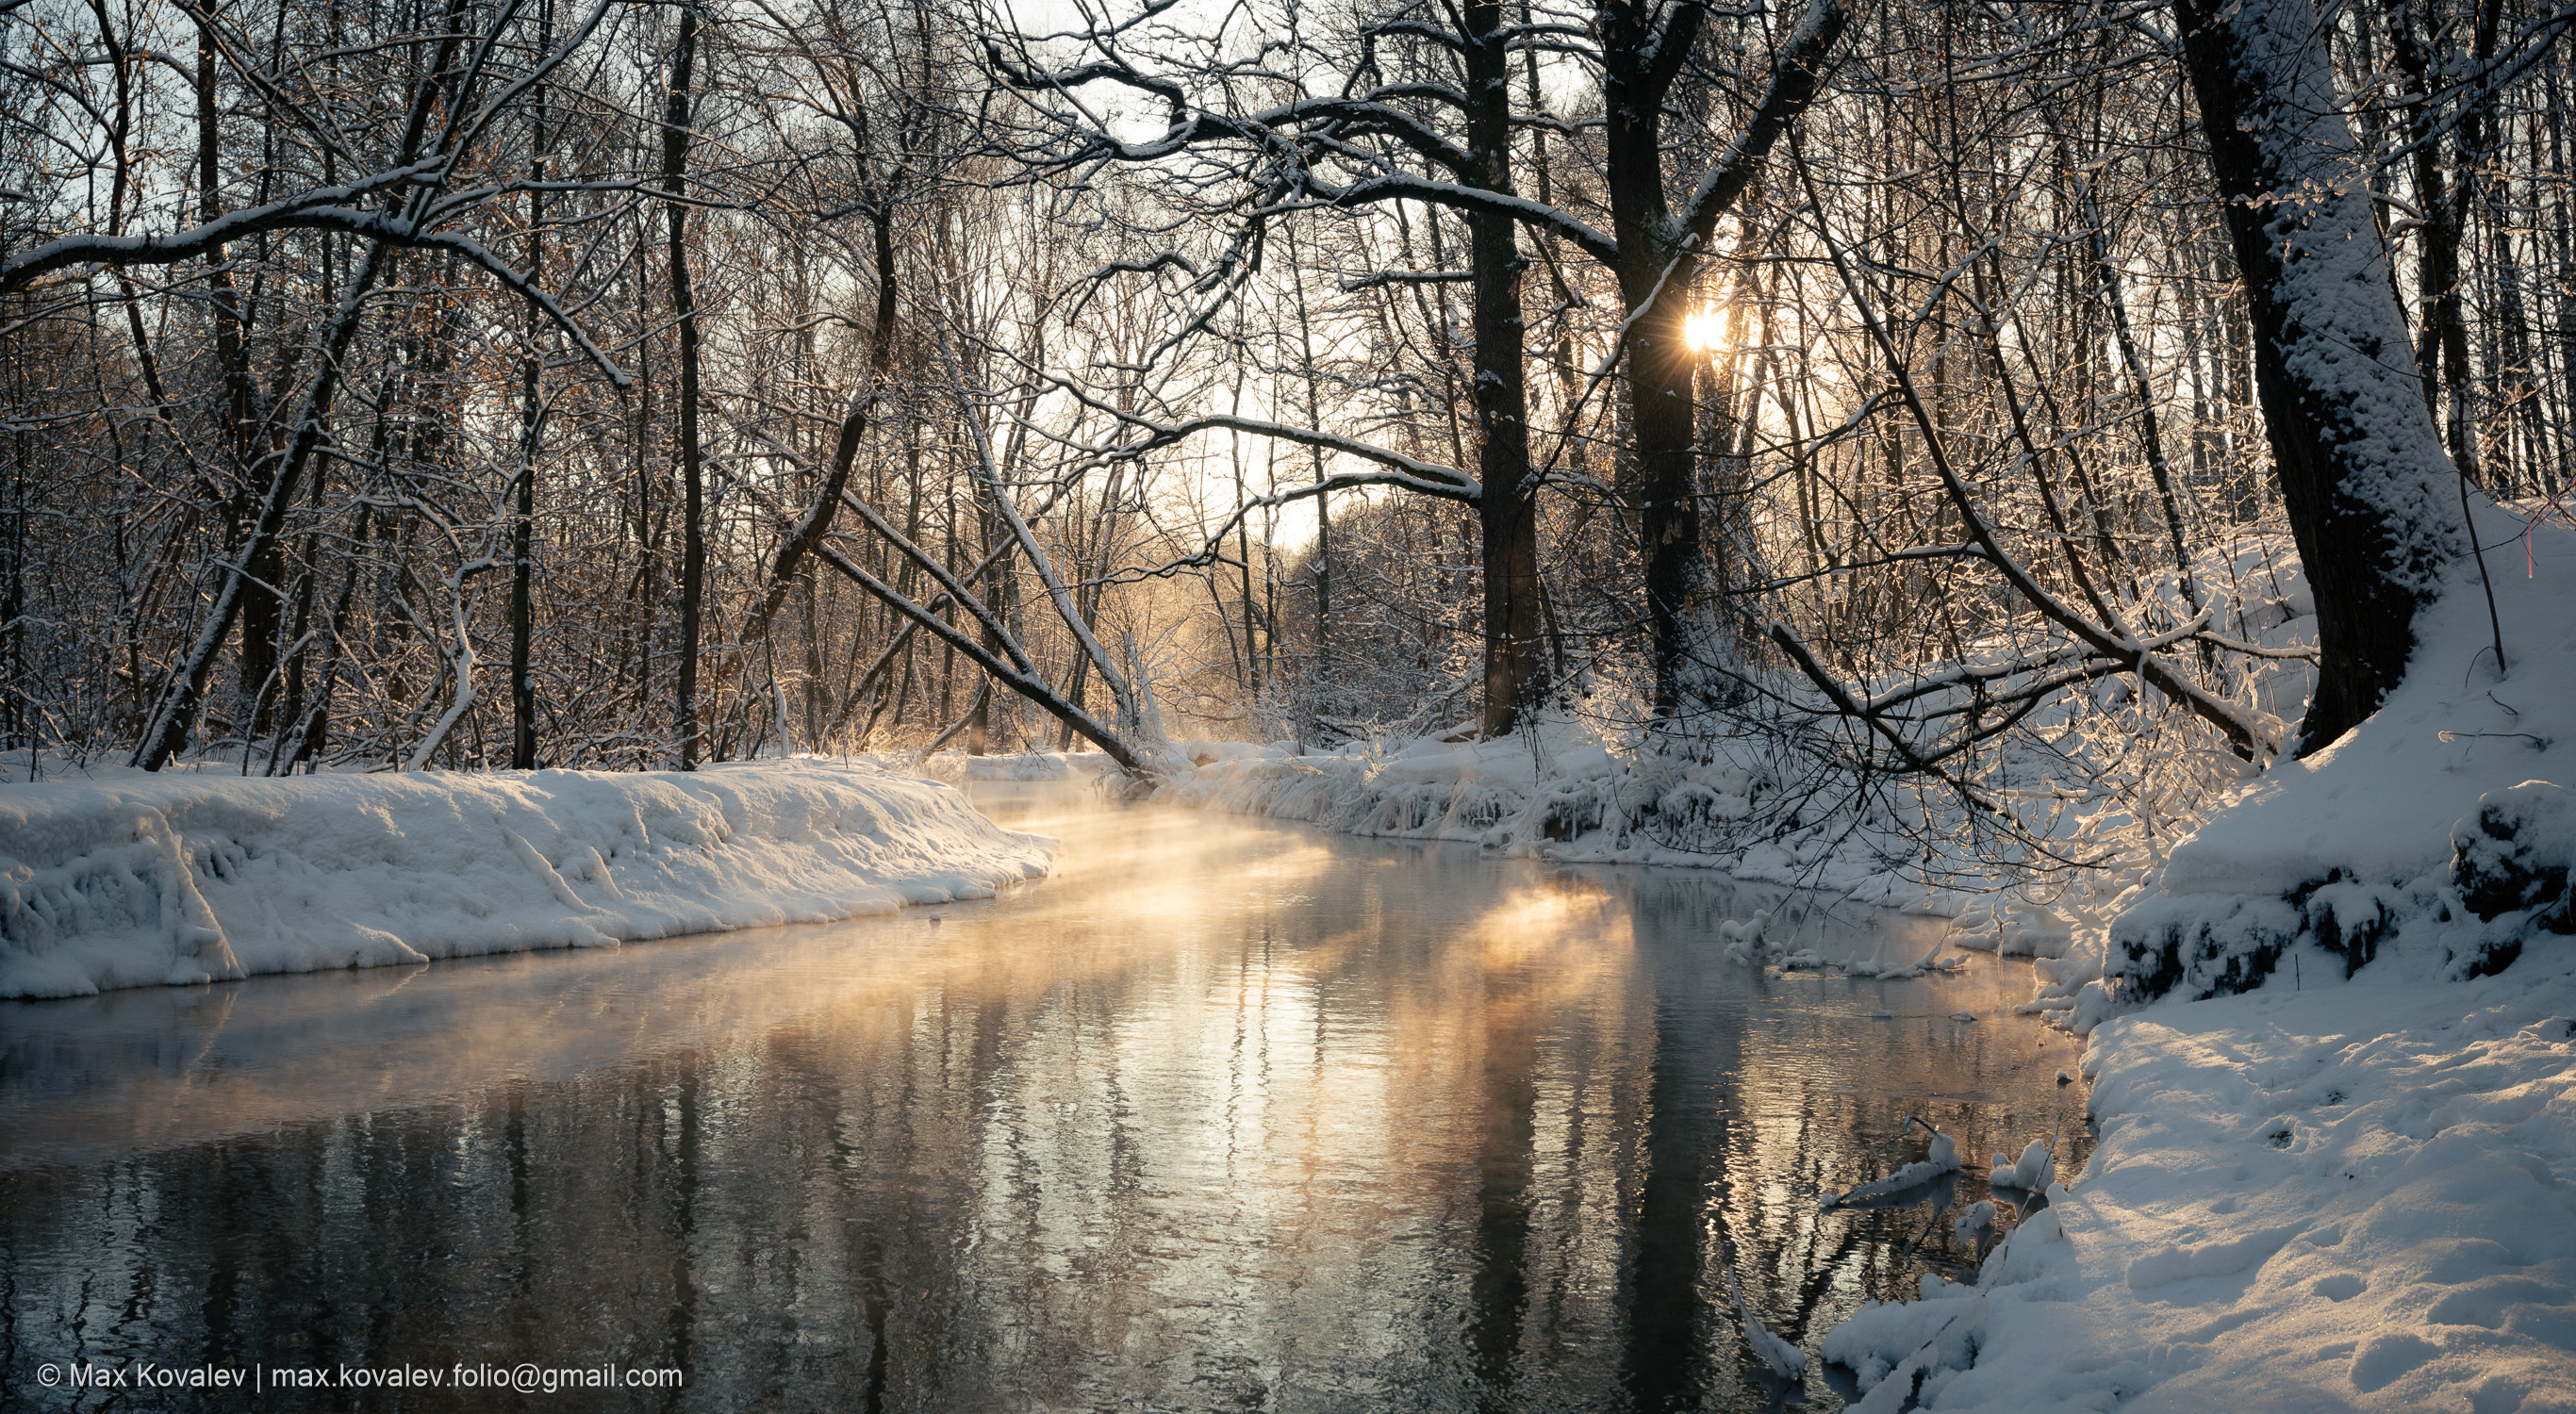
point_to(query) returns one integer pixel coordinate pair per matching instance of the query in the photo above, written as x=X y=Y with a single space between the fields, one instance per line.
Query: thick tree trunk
x=1516 y=667
x=1659 y=256
x=1657 y=264
x=2362 y=469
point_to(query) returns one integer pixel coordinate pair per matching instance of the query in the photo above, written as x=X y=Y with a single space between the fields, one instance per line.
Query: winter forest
x=618 y=385
x=1467 y=609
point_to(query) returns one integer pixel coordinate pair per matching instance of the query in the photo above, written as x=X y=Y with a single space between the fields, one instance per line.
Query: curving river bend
x=1225 y=1115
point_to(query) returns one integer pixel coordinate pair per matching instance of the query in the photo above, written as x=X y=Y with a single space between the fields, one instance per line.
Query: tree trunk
x=2362 y=469
x=240 y=404
x=523 y=606
x=693 y=552
x=1659 y=254
x=1507 y=513
x=1656 y=266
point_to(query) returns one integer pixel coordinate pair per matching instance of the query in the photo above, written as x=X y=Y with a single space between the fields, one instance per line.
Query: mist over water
x=1226 y=1114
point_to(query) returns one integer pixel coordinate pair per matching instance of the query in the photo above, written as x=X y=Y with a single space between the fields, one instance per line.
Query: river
x=1226 y=1114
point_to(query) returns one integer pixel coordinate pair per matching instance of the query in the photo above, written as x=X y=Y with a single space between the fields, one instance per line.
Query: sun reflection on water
x=1224 y=1114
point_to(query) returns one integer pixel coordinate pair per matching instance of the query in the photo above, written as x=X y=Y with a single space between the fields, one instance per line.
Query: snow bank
x=1564 y=792
x=957 y=768
x=2376 y=834
x=134 y=880
x=2354 y=1196
x=2335 y=1159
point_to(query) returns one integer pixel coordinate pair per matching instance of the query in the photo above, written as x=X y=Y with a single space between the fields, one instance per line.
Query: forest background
x=517 y=383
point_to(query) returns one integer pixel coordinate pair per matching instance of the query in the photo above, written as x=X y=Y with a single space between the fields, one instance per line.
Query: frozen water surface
x=1224 y=1114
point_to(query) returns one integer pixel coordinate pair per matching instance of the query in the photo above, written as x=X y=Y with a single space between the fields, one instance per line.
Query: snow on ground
x=2325 y=858
x=2348 y=1196
x=957 y=768
x=2334 y=1070
x=1563 y=791
x=125 y=879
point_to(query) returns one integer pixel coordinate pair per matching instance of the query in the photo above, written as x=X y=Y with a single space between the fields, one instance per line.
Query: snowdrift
x=136 y=880
x=2442 y=817
x=2334 y=1073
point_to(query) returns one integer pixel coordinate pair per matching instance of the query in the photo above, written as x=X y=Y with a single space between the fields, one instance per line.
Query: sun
x=1702 y=330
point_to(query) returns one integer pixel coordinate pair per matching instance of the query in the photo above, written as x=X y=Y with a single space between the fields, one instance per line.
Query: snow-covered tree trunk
x=2369 y=490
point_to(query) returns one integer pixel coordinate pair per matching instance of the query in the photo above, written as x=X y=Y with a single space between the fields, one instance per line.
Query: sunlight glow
x=1702 y=330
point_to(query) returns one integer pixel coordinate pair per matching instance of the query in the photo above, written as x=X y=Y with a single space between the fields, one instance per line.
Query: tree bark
x=1659 y=252
x=1516 y=667
x=240 y=405
x=1655 y=271
x=693 y=551
x=523 y=604
x=2361 y=466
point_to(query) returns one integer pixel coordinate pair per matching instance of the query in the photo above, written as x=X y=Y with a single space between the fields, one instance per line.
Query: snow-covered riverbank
x=128 y=879
x=2334 y=1069
x=1561 y=792
x=2350 y=1196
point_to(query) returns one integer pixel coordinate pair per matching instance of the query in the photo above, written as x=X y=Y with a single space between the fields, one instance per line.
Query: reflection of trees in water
x=1667 y=1310
x=1443 y=1130
x=1758 y=1107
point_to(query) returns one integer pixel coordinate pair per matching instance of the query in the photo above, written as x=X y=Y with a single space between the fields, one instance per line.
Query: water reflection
x=1224 y=1115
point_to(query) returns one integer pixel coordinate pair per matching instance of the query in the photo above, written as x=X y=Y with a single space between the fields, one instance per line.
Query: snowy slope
x=2352 y=1186
x=2380 y=803
x=2356 y=844
x=2355 y=1197
x=135 y=880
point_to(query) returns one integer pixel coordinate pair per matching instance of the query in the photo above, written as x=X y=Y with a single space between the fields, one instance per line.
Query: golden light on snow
x=1703 y=330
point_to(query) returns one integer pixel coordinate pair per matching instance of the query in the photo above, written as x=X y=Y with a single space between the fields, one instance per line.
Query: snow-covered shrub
x=2515 y=854
x=2204 y=945
x=2510 y=867
x=2350 y=917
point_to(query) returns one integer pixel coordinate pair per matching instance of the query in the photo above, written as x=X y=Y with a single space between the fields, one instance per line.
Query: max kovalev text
x=525 y=1378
